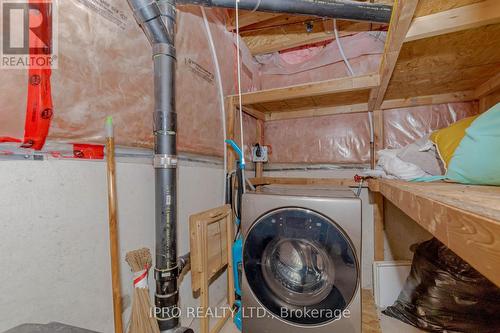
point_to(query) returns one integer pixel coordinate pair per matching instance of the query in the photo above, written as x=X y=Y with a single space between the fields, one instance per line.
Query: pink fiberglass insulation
x=406 y=125
x=329 y=139
x=346 y=138
x=364 y=51
x=105 y=69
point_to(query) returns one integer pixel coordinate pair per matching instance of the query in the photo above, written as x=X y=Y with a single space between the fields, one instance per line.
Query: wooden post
x=378 y=129
x=231 y=164
x=113 y=227
x=378 y=226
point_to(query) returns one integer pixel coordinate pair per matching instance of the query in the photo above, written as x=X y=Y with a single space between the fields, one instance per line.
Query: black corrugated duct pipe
x=157 y=19
x=340 y=9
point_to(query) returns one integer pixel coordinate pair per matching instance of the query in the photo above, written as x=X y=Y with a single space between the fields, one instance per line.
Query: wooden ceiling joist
x=489 y=86
x=247 y=18
x=402 y=16
x=286 y=36
x=453 y=20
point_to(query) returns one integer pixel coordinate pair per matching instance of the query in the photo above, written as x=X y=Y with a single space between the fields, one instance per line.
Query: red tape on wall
x=39 y=110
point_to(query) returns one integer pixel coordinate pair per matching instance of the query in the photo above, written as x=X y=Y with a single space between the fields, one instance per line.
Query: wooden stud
x=259 y=167
x=402 y=15
x=453 y=20
x=378 y=130
x=378 y=226
x=254 y=113
x=230 y=119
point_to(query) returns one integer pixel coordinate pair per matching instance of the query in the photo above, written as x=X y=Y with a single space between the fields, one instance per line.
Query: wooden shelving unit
x=437 y=51
x=465 y=218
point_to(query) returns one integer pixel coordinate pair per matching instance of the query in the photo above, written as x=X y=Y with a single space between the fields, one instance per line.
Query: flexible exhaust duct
x=340 y=9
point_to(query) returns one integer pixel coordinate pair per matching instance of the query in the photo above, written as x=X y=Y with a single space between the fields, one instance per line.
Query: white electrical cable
x=221 y=96
x=351 y=71
x=239 y=88
x=341 y=50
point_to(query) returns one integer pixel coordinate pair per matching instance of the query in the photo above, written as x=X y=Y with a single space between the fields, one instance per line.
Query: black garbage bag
x=445 y=294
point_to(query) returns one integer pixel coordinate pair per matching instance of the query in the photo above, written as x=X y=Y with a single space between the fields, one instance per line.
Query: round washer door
x=300 y=265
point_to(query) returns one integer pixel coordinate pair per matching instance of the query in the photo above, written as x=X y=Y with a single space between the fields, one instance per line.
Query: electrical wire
x=238 y=59
x=351 y=72
x=221 y=94
x=341 y=50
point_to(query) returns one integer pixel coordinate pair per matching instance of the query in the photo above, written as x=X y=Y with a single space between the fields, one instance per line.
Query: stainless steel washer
x=301 y=261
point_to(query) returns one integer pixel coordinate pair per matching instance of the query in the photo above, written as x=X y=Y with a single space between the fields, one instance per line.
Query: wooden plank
x=489 y=86
x=317 y=112
x=378 y=226
x=285 y=36
x=370 y=319
x=259 y=167
x=465 y=218
x=402 y=15
x=428 y=7
x=247 y=18
x=311 y=111
x=457 y=19
x=378 y=131
x=211 y=236
x=230 y=119
x=460 y=61
x=311 y=181
x=334 y=86
x=462 y=96
x=254 y=113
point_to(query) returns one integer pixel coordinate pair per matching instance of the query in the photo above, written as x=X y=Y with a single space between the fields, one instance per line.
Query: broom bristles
x=141 y=320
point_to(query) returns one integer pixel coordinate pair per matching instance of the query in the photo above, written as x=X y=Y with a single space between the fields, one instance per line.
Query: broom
x=141 y=319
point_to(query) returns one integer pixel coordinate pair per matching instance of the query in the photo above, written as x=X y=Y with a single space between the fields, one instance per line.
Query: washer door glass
x=301 y=266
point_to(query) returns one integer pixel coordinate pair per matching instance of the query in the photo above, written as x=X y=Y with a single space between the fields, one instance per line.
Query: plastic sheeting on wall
x=364 y=51
x=346 y=138
x=105 y=68
x=330 y=139
x=406 y=125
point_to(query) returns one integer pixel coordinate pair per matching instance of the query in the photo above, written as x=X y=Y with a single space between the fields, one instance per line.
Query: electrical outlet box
x=260 y=154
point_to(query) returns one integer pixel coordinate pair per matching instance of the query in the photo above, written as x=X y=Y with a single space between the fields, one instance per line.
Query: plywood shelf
x=336 y=93
x=465 y=218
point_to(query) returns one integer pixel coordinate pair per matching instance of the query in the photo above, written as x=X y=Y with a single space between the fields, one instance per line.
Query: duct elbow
x=156 y=18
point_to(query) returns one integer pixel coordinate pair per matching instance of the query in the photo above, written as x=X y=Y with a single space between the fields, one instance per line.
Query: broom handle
x=113 y=227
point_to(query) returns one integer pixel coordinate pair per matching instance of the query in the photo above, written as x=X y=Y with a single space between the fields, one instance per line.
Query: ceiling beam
x=453 y=20
x=279 y=38
x=402 y=16
x=248 y=18
x=489 y=86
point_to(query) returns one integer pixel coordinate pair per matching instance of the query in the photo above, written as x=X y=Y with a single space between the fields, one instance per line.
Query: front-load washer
x=301 y=261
